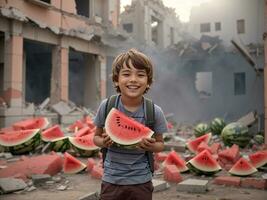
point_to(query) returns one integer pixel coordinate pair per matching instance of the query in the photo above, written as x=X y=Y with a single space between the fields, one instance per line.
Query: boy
x=127 y=174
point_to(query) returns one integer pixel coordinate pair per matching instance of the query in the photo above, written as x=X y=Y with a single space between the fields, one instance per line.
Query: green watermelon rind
x=124 y=141
x=235 y=133
x=34 y=132
x=59 y=144
x=236 y=172
x=84 y=152
x=201 y=167
x=201 y=129
x=217 y=125
x=25 y=147
x=193 y=169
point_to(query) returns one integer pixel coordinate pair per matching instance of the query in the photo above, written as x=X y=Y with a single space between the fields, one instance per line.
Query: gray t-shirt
x=128 y=166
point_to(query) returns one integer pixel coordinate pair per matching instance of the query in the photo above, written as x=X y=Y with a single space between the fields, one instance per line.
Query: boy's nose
x=133 y=77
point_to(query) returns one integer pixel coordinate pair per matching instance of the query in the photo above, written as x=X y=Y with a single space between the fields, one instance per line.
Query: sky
x=182 y=7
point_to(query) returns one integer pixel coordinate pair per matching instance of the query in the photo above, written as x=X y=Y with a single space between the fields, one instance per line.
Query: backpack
x=149 y=122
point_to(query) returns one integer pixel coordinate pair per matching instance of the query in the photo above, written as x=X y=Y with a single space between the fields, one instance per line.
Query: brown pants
x=111 y=191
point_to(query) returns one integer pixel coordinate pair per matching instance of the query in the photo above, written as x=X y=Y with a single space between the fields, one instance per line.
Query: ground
x=81 y=184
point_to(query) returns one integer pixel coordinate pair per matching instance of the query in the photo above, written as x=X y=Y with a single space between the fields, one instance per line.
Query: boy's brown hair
x=138 y=60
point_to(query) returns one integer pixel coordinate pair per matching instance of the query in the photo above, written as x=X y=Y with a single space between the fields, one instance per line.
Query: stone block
x=193 y=186
x=159 y=185
x=9 y=185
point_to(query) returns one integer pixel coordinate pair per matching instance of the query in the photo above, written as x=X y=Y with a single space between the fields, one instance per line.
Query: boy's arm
x=101 y=139
x=155 y=144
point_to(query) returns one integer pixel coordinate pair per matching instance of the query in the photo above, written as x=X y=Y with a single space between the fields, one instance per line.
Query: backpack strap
x=150 y=122
x=111 y=103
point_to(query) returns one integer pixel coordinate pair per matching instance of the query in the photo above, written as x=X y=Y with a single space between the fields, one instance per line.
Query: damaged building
x=151 y=23
x=54 y=49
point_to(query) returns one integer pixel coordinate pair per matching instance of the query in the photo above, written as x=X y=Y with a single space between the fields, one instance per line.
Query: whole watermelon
x=217 y=125
x=235 y=133
x=201 y=129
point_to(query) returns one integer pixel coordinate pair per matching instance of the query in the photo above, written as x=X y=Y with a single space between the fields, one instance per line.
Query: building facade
x=53 y=49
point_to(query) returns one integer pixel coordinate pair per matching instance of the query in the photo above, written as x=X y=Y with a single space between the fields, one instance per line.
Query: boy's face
x=131 y=81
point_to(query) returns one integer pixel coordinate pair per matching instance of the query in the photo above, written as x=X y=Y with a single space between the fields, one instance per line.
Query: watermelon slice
x=242 y=168
x=33 y=123
x=84 y=145
x=125 y=130
x=72 y=165
x=174 y=159
x=83 y=131
x=22 y=141
x=258 y=159
x=204 y=163
x=52 y=133
x=231 y=154
x=77 y=125
x=202 y=146
x=193 y=144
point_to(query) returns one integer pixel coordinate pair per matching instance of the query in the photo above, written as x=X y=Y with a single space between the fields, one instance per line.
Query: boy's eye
x=125 y=74
x=141 y=74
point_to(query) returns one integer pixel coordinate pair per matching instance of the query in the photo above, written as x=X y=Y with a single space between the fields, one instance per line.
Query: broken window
x=128 y=27
x=218 y=26
x=240 y=83
x=154 y=30
x=240 y=25
x=83 y=7
x=38 y=71
x=46 y=1
x=205 y=27
x=204 y=84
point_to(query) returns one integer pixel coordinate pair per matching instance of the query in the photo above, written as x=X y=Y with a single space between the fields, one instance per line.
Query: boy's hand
x=107 y=142
x=147 y=144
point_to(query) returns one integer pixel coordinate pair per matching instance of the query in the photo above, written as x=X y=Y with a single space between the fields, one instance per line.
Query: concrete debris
x=9 y=185
x=44 y=104
x=193 y=186
x=248 y=119
x=159 y=185
x=13 y=13
x=40 y=178
x=62 y=187
x=62 y=108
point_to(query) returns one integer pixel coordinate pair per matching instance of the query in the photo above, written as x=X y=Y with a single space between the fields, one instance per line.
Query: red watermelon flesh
x=85 y=142
x=205 y=162
x=193 y=144
x=203 y=146
x=77 y=125
x=125 y=130
x=258 y=159
x=13 y=138
x=174 y=159
x=242 y=168
x=231 y=154
x=33 y=123
x=72 y=165
x=215 y=147
x=82 y=132
x=52 y=133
